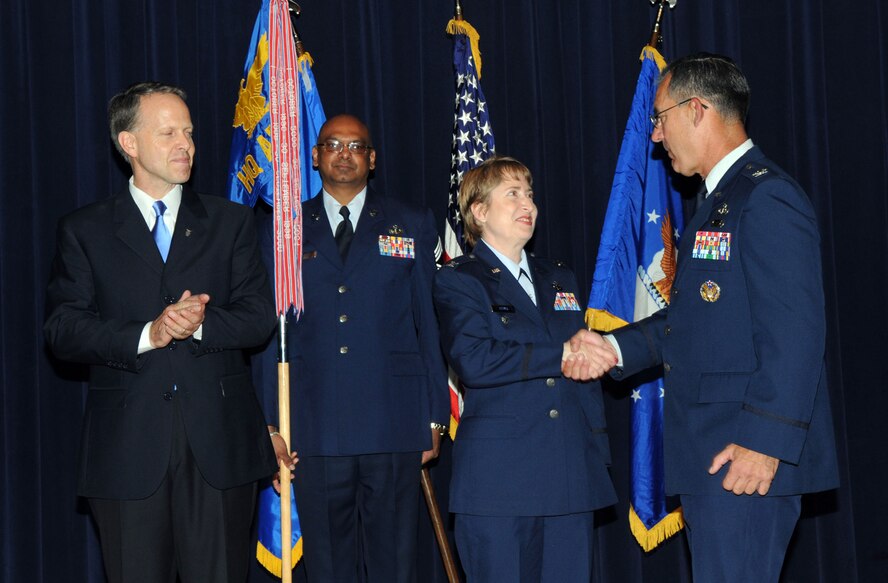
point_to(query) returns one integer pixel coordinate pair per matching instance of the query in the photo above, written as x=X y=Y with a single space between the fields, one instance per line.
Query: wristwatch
x=441 y=429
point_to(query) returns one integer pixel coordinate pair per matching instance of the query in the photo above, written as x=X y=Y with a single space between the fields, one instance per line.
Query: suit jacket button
x=343 y=318
x=169 y=300
x=342 y=289
x=550 y=382
x=667 y=367
x=553 y=414
x=668 y=330
x=172 y=345
x=167 y=396
x=343 y=350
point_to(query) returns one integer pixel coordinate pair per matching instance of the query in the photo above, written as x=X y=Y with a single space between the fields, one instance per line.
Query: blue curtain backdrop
x=559 y=76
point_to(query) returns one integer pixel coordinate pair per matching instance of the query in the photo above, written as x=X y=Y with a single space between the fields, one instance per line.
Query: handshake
x=587 y=356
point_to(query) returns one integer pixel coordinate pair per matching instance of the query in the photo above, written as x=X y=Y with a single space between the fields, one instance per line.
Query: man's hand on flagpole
x=431 y=454
x=587 y=356
x=283 y=457
x=750 y=471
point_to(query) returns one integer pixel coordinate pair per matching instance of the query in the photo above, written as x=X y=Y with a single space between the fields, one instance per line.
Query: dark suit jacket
x=366 y=370
x=107 y=281
x=747 y=368
x=530 y=442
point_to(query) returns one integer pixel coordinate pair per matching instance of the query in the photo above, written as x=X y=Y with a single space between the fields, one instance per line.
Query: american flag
x=472 y=144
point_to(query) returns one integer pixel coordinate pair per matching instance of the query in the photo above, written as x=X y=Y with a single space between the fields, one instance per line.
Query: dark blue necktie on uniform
x=161 y=233
x=701 y=196
x=344 y=233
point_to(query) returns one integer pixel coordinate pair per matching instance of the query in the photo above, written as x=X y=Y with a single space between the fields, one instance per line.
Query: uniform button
x=550 y=382
x=167 y=396
x=343 y=350
x=667 y=367
x=553 y=413
x=668 y=330
x=674 y=291
x=342 y=289
x=343 y=318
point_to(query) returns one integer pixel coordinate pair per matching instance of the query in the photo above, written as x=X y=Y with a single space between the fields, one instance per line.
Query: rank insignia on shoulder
x=396 y=230
x=709 y=291
x=714 y=245
x=566 y=302
x=401 y=247
x=495 y=270
x=759 y=172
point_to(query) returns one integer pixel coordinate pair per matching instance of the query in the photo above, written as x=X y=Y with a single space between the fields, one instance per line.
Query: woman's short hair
x=479 y=182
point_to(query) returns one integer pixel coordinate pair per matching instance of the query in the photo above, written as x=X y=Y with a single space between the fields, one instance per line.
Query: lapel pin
x=315 y=217
x=373 y=212
x=187 y=232
x=557 y=286
x=723 y=209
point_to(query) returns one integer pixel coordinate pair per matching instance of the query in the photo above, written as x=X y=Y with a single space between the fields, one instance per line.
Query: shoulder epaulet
x=757 y=172
x=461 y=260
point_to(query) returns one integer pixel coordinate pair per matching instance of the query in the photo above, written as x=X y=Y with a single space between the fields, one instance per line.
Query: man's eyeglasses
x=335 y=146
x=657 y=118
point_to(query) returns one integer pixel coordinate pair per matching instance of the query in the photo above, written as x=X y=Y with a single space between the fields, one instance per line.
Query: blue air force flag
x=633 y=278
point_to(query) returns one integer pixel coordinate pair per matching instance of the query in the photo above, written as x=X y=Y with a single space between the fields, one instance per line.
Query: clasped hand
x=587 y=356
x=180 y=320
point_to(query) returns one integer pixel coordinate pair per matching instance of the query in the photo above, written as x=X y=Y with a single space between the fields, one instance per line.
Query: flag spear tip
x=457 y=13
x=656 y=38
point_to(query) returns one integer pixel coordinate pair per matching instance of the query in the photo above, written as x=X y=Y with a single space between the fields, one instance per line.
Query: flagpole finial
x=457 y=13
x=295 y=11
x=656 y=38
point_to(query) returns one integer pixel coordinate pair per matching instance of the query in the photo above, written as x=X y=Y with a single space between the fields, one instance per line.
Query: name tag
x=566 y=302
x=503 y=308
x=714 y=245
x=401 y=247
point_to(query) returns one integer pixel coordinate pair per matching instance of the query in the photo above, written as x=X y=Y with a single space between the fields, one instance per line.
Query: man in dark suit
x=369 y=388
x=748 y=427
x=158 y=290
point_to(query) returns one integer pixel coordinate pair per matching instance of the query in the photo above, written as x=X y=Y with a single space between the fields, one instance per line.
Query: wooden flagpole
x=285 y=475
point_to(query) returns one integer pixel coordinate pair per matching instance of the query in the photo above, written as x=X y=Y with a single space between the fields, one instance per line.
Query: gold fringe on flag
x=272 y=562
x=602 y=320
x=648 y=539
x=655 y=55
x=306 y=56
x=462 y=27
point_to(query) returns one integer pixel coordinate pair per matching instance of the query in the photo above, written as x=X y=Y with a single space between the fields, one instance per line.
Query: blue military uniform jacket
x=366 y=370
x=742 y=341
x=530 y=442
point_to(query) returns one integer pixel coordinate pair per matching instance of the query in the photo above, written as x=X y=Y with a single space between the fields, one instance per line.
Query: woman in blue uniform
x=530 y=461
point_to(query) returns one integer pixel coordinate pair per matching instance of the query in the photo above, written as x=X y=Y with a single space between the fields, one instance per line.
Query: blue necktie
x=162 y=236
